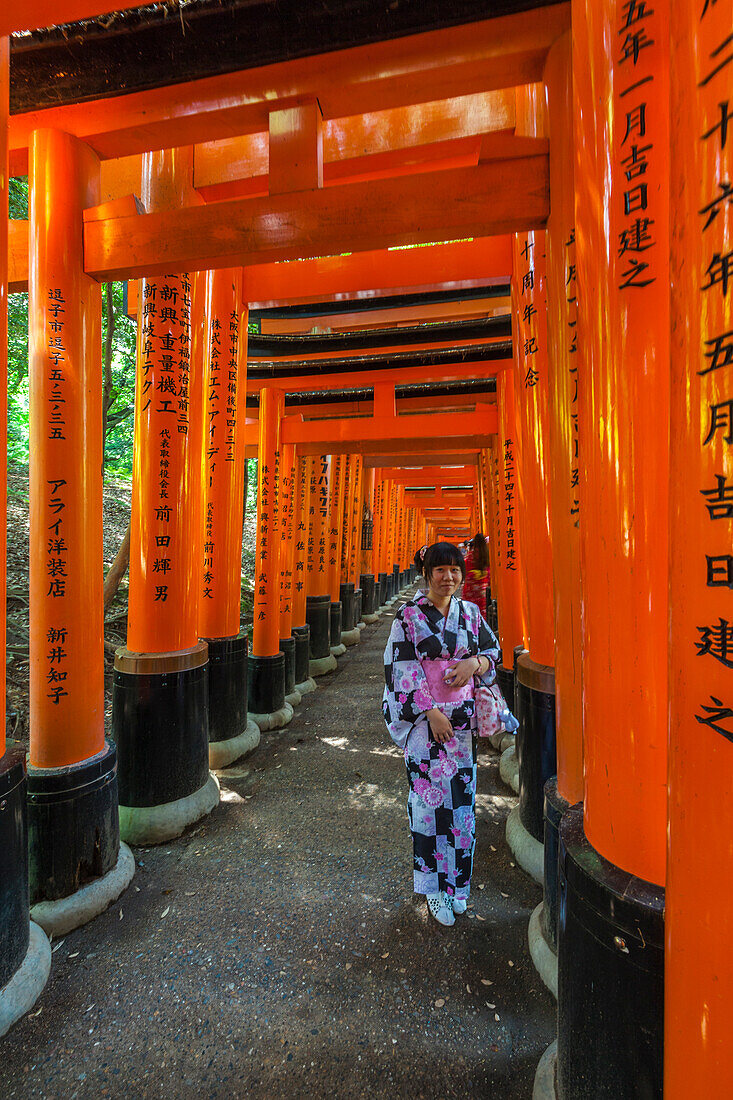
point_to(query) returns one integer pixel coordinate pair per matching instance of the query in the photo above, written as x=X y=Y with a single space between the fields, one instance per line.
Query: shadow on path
x=276 y=949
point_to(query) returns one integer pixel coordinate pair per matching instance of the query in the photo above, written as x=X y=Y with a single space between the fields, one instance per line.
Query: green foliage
x=118 y=446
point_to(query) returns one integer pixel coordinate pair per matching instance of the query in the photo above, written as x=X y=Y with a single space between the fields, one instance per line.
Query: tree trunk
x=107 y=394
x=117 y=570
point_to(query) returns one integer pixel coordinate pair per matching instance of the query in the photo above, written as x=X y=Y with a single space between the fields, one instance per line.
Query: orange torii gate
x=596 y=439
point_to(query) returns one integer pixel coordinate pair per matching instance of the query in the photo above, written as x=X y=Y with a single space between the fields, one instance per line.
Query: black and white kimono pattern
x=442 y=777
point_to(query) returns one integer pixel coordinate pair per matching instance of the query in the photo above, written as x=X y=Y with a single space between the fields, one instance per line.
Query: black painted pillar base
x=25 y=953
x=14 y=908
x=358 y=620
x=227 y=680
x=505 y=680
x=348 y=606
x=610 y=975
x=555 y=807
x=337 y=647
x=160 y=724
x=383 y=590
x=534 y=687
x=369 y=603
x=73 y=826
x=304 y=682
x=287 y=648
x=318 y=617
x=266 y=691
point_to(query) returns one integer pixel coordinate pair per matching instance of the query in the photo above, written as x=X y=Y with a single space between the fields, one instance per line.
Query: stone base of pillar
x=305 y=687
x=358 y=607
x=73 y=827
x=368 y=619
x=147 y=825
x=528 y=852
x=536 y=752
x=318 y=618
x=224 y=753
x=321 y=665
x=287 y=648
x=266 y=691
x=274 y=720
x=56 y=918
x=545 y=1085
x=338 y=650
x=335 y=629
x=22 y=990
x=543 y=953
x=350 y=637
x=611 y=927
x=227 y=687
x=160 y=724
x=509 y=768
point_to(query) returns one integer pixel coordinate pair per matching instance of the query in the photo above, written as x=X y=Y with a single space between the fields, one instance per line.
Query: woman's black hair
x=442 y=553
x=481 y=550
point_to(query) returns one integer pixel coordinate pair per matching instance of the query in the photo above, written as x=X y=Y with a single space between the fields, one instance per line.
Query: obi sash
x=441 y=692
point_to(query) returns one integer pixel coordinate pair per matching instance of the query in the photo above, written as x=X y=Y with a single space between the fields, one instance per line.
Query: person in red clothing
x=477 y=573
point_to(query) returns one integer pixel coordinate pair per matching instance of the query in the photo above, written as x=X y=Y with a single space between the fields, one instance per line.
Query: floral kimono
x=442 y=777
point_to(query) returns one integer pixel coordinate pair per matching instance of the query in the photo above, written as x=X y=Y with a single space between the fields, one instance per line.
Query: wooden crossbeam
x=395 y=431
x=494 y=198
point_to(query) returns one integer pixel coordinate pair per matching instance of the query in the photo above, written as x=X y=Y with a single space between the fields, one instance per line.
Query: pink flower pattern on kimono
x=423 y=699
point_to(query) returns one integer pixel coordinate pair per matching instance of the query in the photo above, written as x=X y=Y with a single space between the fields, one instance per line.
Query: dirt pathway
x=277 y=950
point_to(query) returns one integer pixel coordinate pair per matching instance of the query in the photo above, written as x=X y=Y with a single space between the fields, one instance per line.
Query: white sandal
x=439 y=907
x=458 y=905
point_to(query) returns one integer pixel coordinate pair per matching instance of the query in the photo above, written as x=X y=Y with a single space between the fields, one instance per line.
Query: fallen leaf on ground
x=439 y=1003
x=385 y=955
x=166 y=911
x=73 y=954
x=511 y=963
x=486 y=981
x=479 y=917
x=348 y=966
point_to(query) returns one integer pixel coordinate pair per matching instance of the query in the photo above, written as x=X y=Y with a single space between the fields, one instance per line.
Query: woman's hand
x=462 y=673
x=440 y=726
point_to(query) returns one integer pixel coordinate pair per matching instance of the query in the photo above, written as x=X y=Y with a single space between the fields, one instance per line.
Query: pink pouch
x=441 y=692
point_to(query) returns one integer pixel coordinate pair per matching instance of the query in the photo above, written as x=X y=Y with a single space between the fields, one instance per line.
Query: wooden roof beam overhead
x=421 y=68
x=494 y=198
x=468 y=456
x=445 y=372
x=386 y=318
x=432 y=476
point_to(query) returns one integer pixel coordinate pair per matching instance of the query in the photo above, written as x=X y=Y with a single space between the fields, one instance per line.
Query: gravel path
x=276 y=950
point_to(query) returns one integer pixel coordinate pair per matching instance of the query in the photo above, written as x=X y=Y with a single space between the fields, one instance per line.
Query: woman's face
x=445 y=580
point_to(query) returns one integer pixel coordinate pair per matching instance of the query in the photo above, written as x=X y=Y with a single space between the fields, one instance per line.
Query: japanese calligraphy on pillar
x=57 y=548
x=164 y=378
x=333 y=526
x=530 y=308
x=571 y=321
x=322 y=495
x=509 y=494
x=301 y=530
x=264 y=532
x=711 y=369
x=637 y=162
x=287 y=513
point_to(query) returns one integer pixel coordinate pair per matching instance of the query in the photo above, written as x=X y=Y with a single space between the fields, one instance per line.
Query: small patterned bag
x=492 y=713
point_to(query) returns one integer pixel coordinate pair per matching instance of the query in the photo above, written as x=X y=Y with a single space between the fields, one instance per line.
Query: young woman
x=437 y=645
x=477 y=573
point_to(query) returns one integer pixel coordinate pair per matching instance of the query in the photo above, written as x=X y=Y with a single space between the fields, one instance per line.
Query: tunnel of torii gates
x=557 y=372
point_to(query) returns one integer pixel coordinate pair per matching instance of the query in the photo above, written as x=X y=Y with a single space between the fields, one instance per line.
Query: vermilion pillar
x=66 y=650
x=535 y=682
x=301 y=630
x=699 y=905
x=160 y=693
x=25 y=955
x=563 y=473
x=288 y=643
x=318 y=603
x=223 y=406
x=266 y=667
x=508 y=574
x=616 y=850
x=350 y=634
x=367 y=562
x=335 y=534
